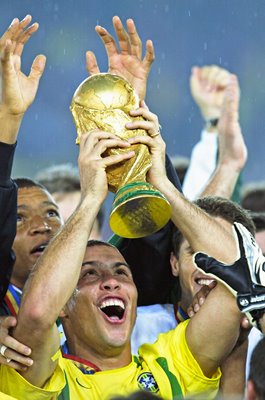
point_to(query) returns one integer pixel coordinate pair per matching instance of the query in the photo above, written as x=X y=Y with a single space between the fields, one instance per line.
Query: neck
x=17 y=282
x=184 y=305
x=104 y=359
x=180 y=312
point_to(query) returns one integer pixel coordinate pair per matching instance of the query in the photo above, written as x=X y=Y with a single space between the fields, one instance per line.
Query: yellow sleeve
x=13 y=384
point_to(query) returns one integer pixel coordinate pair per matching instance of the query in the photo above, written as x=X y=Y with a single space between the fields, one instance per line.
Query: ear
x=251 y=392
x=174 y=264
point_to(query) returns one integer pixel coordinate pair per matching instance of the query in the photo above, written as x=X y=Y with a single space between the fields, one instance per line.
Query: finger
x=13 y=344
x=91 y=63
x=92 y=137
x=145 y=113
x=136 y=43
x=151 y=142
x=148 y=126
x=117 y=158
x=37 y=68
x=9 y=32
x=6 y=52
x=103 y=145
x=245 y=323
x=13 y=364
x=22 y=26
x=108 y=40
x=17 y=357
x=190 y=312
x=149 y=55
x=195 y=79
x=22 y=39
x=123 y=38
x=15 y=28
x=221 y=79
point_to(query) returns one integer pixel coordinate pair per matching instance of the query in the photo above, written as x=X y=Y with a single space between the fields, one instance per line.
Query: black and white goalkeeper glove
x=245 y=278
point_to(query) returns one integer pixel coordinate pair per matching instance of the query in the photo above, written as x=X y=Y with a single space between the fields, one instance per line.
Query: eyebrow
x=113 y=266
x=44 y=203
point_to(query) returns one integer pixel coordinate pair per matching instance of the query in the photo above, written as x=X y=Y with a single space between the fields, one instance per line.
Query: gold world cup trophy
x=103 y=101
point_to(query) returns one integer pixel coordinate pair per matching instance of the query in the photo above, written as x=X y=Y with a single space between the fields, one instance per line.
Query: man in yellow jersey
x=91 y=287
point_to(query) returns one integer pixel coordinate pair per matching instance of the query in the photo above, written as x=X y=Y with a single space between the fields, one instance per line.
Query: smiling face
x=190 y=278
x=38 y=220
x=100 y=316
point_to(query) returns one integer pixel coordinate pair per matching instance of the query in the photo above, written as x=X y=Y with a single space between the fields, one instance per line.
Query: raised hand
x=208 y=86
x=93 y=162
x=126 y=62
x=157 y=147
x=18 y=90
x=232 y=148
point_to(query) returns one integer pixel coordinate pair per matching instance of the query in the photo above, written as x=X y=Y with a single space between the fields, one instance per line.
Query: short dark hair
x=253 y=196
x=257 y=368
x=94 y=242
x=62 y=178
x=259 y=220
x=218 y=207
x=27 y=183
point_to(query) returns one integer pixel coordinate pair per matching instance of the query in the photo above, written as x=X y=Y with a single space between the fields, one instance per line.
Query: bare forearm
x=9 y=127
x=55 y=276
x=233 y=372
x=218 y=319
x=203 y=232
x=222 y=183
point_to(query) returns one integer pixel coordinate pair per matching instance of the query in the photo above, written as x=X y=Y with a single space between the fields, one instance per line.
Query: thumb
x=37 y=67
x=201 y=259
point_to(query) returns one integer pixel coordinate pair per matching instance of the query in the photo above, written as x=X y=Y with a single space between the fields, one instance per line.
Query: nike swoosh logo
x=80 y=384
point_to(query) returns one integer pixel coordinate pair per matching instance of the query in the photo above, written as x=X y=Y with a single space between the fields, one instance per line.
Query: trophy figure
x=103 y=101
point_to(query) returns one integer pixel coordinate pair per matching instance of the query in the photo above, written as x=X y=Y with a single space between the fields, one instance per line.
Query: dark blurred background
x=229 y=33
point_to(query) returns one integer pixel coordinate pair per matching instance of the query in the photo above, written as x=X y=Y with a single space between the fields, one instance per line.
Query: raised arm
x=125 y=60
x=17 y=92
x=55 y=276
x=200 y=229
x=207 y=85
x=232 y=148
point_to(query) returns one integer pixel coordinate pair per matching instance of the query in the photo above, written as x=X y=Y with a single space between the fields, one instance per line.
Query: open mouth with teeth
x=204 y=281
x=37 y=250
x=114 y=309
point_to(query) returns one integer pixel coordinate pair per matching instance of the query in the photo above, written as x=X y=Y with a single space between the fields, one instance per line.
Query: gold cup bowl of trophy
x=103 y=101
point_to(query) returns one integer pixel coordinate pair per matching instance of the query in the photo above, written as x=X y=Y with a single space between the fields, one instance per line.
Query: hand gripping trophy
x=103 y=101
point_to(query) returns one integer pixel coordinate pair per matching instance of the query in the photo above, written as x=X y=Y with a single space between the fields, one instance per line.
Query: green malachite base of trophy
x=138 y=210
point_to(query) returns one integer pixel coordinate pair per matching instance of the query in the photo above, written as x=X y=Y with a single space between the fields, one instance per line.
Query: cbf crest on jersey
x=146 y=381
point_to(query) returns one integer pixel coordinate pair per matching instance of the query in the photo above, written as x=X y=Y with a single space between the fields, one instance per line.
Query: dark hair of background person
x=259 y=220
x=257 y=369
x=253 y=197
x=62 y=178
x=218 y=207
x=139 y=395
x=28 y=183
